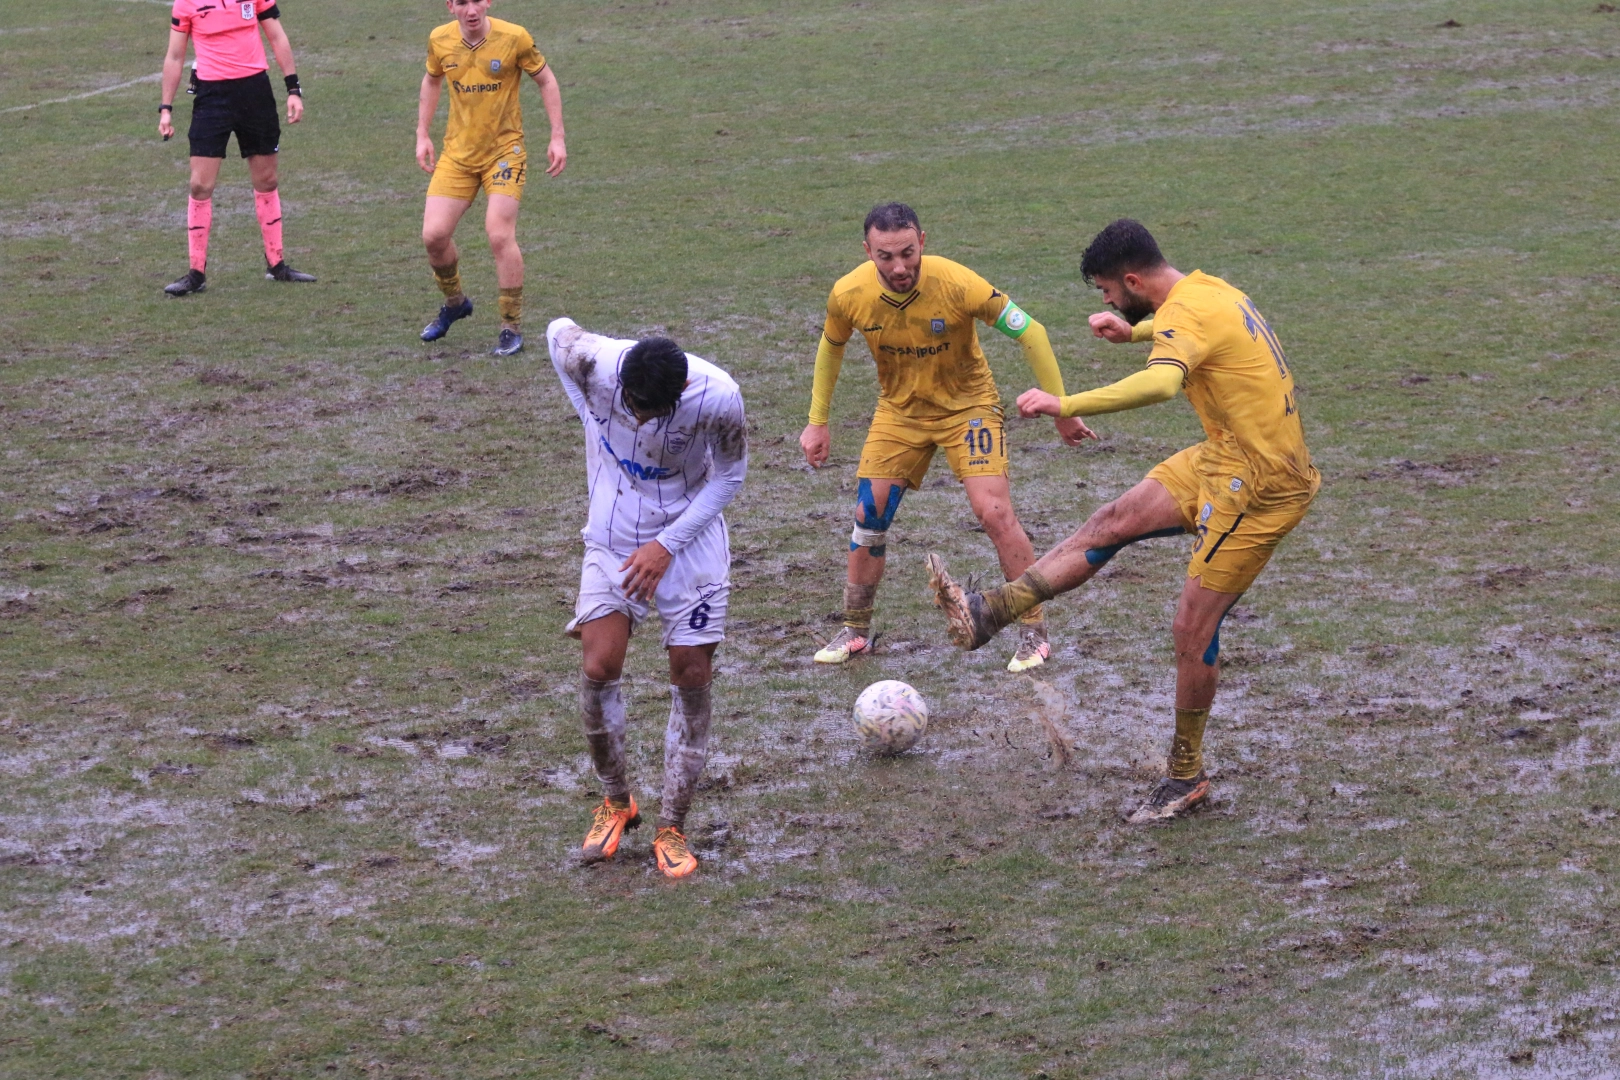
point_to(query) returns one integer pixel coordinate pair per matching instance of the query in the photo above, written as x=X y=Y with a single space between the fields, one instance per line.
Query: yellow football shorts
x=503 y=175
x=1234 y=541
x=900 y=448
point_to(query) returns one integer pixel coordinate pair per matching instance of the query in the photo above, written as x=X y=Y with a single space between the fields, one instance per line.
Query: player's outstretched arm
x=282 y=48
x=551 y=98
x=174 y=65
x=427 y=103
x=1155 y=383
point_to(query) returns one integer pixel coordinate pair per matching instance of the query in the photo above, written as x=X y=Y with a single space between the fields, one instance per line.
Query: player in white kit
x=666 y=450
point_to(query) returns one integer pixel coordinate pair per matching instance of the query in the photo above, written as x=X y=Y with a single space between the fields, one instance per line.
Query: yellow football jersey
x=926 y=346
x=486 y=117
x=1238 y=381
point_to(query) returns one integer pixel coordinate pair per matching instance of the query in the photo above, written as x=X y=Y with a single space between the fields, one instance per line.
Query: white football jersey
x=666 y=480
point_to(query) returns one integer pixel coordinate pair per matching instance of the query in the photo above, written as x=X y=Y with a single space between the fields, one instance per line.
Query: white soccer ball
x=891 y=716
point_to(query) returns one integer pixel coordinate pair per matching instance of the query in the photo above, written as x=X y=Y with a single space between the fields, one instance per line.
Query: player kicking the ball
x=232 y=83
x=916 y=312
x=1240 y=491
x=484 y=59
x=666 y=450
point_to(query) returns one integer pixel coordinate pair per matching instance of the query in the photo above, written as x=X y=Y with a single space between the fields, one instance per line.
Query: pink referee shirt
x=225 y=34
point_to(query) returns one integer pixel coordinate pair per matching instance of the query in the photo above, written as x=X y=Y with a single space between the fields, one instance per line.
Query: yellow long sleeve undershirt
x=829 y=362
x=1151 y=385
x=1040 y=358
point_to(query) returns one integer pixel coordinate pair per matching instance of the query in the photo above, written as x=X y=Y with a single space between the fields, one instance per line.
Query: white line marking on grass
x=87 y=94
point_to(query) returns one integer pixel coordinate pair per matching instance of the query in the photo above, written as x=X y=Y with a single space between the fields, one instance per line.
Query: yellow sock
x=1035 y=616
x=511 y=303
x=1187 y=751
x=1016 y=597
x=449 y=280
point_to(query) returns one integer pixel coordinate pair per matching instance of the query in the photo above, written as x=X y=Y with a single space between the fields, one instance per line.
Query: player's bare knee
x=690 y=666
x=1105 y=525
x=1000 y=523
x=602 y=669
x=1195 y=638
x=603 y=661
x=201 y=191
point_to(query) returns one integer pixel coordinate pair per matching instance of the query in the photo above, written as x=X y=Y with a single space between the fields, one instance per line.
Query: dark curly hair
x=653 y=376
x=1123 y=247
x=891 y=217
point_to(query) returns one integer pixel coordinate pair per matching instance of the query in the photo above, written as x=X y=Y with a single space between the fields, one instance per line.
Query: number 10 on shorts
x=981 y=442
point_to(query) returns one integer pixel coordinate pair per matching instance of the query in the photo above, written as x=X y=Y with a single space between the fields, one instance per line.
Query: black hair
x=891 y=217
x=1123 y=247
x=653 y=375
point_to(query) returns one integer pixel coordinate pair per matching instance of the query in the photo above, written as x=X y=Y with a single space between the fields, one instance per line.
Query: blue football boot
x=510 y=343
x=440 y=326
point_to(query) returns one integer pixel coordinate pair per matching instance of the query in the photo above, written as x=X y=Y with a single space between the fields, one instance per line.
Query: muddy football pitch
x=291 y=778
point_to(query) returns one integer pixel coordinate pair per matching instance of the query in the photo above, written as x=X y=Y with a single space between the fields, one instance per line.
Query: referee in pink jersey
x=233 y=95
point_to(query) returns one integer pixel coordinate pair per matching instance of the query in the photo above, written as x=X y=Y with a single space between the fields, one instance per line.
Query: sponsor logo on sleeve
x=1167 y=334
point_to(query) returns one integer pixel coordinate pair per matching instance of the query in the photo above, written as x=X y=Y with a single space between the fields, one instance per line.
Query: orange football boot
x=675 y=858
x=607 y=829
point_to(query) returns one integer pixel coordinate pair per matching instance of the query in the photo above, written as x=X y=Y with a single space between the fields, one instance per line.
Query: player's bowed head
x=652 y=378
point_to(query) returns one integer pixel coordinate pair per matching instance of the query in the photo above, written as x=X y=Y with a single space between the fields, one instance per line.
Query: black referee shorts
x=244 y=106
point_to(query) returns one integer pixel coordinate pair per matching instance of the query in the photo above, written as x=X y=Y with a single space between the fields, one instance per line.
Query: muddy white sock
x=602 y=712
x=686 y=746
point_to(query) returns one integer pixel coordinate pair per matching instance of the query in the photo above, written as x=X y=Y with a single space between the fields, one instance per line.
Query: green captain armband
x=1014 y=321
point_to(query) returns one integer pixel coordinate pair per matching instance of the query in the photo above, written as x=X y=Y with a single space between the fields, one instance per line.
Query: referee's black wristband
x=293 y=87
x=165 y=108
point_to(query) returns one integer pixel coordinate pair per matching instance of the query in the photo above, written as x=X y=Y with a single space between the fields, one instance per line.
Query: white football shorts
x=691 y=598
